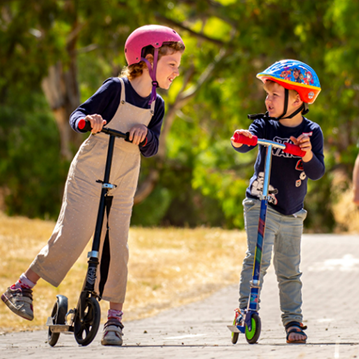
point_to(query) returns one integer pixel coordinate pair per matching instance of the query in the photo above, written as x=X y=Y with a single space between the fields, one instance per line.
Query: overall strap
x=123 y=92
x=123 y=96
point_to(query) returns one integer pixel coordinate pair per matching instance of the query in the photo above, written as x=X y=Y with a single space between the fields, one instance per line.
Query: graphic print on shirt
x=257 y=189
x=278 y=152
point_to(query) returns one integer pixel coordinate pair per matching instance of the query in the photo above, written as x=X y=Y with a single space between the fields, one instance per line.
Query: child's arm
x=303 y=141
x=356 y=181
x=151 y=145
x=105 y=102
x=313 y=161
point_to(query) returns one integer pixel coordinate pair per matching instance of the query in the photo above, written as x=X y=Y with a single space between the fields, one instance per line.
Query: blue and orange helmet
x=294 y=75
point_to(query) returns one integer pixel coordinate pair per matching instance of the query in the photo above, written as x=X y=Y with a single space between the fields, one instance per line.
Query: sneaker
x=112 y=333
x=19 y=301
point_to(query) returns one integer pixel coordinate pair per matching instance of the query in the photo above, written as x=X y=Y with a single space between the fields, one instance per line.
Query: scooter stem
x=94 y=254
x=253 y=304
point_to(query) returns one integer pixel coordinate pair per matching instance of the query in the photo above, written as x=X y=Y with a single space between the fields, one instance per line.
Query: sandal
x=296 y=327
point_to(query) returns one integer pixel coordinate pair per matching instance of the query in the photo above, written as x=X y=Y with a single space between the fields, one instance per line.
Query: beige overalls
x=77 y=219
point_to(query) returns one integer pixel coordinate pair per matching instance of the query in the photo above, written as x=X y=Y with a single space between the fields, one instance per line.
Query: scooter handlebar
x=85 y=126
x=289 y=147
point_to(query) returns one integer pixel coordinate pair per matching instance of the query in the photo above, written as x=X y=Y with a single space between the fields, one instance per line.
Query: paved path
x=331 y=310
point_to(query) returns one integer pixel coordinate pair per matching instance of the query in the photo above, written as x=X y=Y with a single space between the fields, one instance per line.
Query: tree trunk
x=62 y=92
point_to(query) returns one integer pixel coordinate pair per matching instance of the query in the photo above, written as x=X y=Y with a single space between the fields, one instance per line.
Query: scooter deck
x=59 y=328
x=236 y=328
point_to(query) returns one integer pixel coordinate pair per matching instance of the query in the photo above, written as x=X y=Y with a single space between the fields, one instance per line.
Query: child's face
x=275 y=100
x=167 y=69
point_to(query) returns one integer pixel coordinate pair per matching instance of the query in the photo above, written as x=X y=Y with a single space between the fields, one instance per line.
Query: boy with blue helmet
x=290 y=86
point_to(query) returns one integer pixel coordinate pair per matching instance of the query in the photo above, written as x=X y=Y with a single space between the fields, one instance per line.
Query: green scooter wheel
x=252 y=335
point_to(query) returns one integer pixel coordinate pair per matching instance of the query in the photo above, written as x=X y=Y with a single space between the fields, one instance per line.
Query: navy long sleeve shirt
x=289 y=174
x=106 y=101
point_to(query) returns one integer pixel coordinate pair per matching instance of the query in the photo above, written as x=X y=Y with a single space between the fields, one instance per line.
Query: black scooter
x=84 y=320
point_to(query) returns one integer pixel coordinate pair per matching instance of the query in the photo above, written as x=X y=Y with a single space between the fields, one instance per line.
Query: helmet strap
x=152 y=71
x=304 y=109
x=285 y=108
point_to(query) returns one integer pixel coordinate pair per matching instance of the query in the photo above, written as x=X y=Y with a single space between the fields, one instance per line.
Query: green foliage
x=30 y=168
x=151 y=211
x=203 y=180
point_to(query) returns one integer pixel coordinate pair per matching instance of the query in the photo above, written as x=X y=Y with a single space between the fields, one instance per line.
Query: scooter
x=252 y=323
x=84 y=320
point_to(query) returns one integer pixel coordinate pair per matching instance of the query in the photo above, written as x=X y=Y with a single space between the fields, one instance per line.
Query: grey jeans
x=283 y=237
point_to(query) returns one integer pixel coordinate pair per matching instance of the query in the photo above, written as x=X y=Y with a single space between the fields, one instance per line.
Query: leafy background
x=54 y=54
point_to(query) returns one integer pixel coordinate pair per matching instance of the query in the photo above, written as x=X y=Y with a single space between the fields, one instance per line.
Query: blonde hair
x=269 y=84
x=136 y=70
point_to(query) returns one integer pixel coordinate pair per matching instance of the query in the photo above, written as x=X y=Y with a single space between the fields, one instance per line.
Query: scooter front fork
x=88 y=289
x=253 y=307
x=253 y=303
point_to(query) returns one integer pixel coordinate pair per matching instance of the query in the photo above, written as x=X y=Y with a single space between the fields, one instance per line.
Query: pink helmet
x=154 y=35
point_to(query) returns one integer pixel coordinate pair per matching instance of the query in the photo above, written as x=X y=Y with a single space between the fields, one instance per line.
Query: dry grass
x=168 y=267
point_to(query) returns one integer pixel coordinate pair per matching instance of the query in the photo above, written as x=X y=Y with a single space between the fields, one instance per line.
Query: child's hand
x=138 y=134
x=97 y=122
x=241 y=132
x=303 y=141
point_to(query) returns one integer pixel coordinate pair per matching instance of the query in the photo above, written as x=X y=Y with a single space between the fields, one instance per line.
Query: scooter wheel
x=252 y=335
x=234 y=335
x=58 y=315
x=86 y=330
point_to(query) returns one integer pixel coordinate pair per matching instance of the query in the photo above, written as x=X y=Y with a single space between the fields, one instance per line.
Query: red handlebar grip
x=294 y=150
x=239 y=138
x=84 y=125
x=81 y=125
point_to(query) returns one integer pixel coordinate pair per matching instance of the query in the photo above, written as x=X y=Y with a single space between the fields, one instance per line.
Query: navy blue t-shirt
x=289 y=174
x=106 y=101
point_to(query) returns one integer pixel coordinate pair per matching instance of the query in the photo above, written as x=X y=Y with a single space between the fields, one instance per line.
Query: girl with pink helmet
x=130 y=104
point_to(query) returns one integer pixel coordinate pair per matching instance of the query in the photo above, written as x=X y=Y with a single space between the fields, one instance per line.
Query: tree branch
x=184 y=96
x=214 y=9
x=194 y=33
